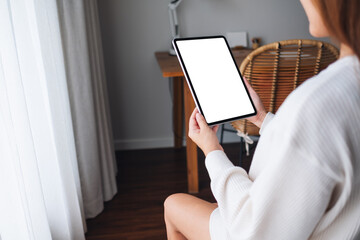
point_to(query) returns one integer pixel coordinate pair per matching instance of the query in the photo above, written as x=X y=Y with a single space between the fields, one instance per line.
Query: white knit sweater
x=304 y=181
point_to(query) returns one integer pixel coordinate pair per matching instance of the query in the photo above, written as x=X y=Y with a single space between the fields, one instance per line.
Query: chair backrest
x=276 y=69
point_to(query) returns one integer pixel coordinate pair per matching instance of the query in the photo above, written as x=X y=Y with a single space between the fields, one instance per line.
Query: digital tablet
x=214 y=79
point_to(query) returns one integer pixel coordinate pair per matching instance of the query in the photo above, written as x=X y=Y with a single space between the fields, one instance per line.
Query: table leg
x=178 y=111
x=191 y=148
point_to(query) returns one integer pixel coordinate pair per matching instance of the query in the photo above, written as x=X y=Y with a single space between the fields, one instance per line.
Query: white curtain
x=56 y=157
x=88 y=97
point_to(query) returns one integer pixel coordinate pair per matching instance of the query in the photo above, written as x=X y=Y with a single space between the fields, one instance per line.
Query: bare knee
x=172 y=201
x=174 y=198
x=185 y=215
x=171 y=206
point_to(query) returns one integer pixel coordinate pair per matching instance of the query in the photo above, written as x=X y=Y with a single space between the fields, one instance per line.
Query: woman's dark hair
x=342 y=19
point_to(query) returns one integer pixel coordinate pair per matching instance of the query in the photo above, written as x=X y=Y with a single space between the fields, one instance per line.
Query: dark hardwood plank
x=145 y=179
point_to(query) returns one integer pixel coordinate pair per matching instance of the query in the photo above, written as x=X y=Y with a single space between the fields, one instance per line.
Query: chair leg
x=221 y=133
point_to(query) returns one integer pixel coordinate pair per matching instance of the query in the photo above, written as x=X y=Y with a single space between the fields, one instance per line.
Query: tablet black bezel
x=188 y=80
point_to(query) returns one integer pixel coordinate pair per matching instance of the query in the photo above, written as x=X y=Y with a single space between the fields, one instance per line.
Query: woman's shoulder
x=335 y=89
x=321 y=116
x=341 y=74
x=328 y=103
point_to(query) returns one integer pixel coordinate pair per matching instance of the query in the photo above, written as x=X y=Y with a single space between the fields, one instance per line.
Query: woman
x=304 y=181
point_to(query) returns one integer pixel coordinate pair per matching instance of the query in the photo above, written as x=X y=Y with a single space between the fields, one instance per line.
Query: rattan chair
x=276 y=69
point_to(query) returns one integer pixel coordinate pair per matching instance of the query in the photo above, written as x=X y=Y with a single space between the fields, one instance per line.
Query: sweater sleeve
x=288 y=197
x=285 y=202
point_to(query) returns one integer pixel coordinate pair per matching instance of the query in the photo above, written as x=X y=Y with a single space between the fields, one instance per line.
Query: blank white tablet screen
x=215 y=79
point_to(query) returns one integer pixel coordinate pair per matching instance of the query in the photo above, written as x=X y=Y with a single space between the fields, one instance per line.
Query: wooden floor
x=145 y=179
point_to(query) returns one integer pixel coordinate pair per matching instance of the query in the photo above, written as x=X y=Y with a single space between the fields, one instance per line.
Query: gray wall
x=132 y=30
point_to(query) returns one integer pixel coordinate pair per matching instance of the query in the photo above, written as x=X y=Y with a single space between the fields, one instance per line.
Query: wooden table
x=182 y=97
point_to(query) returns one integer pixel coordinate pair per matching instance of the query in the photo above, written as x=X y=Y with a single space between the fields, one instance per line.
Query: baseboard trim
x=133 y=144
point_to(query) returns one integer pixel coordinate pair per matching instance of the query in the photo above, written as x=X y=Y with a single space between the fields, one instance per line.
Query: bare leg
x=187 y=217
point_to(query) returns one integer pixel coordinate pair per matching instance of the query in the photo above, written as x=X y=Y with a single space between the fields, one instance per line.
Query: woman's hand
x=261 y=112
x=203 y=135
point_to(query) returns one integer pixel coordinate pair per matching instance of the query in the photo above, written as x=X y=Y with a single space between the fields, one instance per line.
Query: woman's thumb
x=201 y=120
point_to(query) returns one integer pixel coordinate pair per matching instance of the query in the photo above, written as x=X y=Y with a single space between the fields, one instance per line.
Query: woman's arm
x=287 y=199
x=290 y=188
x=298 y=163
x=285 y=202
x=269 y=116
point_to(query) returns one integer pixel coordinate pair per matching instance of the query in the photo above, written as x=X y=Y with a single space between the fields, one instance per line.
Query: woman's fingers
x=203 y=135
x=192 y=122
x=248 y=85
x=198 y=121
x=201 y=120
x=194 y=111
x=215 y=128
x=246 y=82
